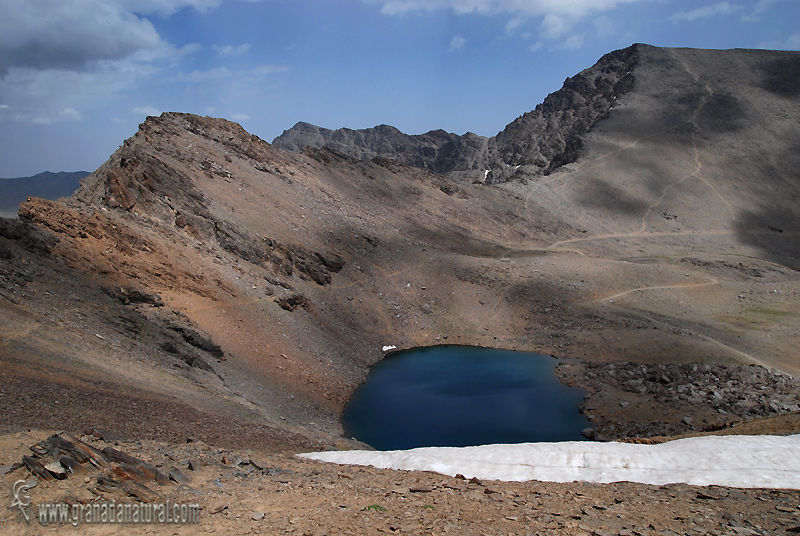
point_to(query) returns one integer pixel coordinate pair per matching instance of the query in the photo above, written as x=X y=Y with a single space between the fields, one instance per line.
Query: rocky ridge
x=538 y=142
x=138 y=181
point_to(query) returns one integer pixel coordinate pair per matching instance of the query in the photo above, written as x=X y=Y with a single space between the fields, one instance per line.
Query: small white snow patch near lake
x=389 y=347
x=734 y=461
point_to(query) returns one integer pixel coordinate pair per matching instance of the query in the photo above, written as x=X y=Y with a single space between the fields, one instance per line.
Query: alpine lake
x=460 y=396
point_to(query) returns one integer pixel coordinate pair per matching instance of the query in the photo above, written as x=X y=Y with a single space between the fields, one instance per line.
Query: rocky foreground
x=250 y=491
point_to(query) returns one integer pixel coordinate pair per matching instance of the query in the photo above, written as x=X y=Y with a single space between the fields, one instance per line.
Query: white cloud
x=11 y=114
x=220 y=79
x=230 y=50
x=195 y=77
x=240 y=117
x=146 y=110
x=46 y=96
x=264 y=70
x=168 y=7
x=790 y=43
x=604 y=26
x=554 y=26
x=761 y=7
x=765 y=5
x=572 y=42
x=457 y=43
x=514 y=24
x=191 y=48
x=572 y=8
x=558 y=17
x=76 y=35
x=71 y=114
x=536 y=47
x=44 y=34
x=722 y=8
x=58 y=57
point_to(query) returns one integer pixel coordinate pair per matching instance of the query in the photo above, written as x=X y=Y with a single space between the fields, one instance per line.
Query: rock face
x=137 y=181
x=539 y=142
x=551 y=136
x=437 y=150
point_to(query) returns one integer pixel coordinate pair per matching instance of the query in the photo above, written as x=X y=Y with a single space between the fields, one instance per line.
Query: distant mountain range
x=47 y=185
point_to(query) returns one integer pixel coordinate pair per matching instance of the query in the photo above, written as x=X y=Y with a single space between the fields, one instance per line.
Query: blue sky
x=78 y=76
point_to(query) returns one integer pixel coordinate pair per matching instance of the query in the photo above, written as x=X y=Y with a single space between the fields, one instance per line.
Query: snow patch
x=388 y=347
x=734 y=461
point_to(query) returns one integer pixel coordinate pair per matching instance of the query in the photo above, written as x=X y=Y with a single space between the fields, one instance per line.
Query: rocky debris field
x=692 y=397
x=255 y=492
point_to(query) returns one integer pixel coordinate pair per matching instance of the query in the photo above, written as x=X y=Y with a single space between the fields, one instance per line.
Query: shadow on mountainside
x=782 y=76
x=775 y=231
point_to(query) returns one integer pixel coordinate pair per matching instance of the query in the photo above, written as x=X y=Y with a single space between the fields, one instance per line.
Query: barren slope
x=212 y=278
x=203 y=284
x=695 y=171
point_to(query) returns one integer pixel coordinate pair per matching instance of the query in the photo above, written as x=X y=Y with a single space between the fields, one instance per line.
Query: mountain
x=536 y=143
x=555 y=132
x=236 y=293
x=46 y=185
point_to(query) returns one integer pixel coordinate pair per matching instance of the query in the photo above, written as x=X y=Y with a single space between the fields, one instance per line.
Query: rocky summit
x=216 y=299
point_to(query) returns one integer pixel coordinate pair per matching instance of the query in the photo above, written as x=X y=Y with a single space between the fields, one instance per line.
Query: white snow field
x=735 y=461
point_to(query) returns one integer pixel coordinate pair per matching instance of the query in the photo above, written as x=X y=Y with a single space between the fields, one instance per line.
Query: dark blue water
x=460 y=396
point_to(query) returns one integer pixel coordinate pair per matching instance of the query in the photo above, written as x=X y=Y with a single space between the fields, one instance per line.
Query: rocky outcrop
x=549 y=137
x=117 y=473
x=437 y=150
x=692 y=397
x=159 y=186
x=292 y=301
x=286 y=258
x=32 y=237
x=536 y=143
